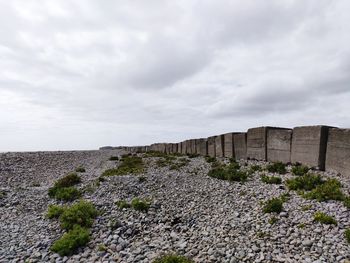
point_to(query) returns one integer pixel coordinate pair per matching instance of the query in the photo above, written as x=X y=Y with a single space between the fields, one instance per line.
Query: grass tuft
x=140 y=205
x=277 y=167
x=274 y=205
x=172 y=258
x=306 y=182
x=329 y=190
x=324 y=218
x=271 y=179
x=129 y=165
x=300 y=170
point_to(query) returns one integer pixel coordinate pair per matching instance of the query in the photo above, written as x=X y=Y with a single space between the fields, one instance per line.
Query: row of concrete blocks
x=322 y=147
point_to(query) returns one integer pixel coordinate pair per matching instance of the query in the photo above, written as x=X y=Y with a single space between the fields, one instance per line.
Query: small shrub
x=113 y=158
x=306 y=207
x=122 y=204
x=142 y=179
x=324 y=218
x=255 y=168
x=81 y=213
x=300 y=170
x=101 y=178
x=301 y=225
x=36 y=184
x=329 y=190
x=140 y=205
x=273 y=220
x=347 y=235
x=346 y=201
x=128 y=165
x=68 y=180
x=171 y=258
x=2 y=194
x=67 y=194
x=271 y=179
x=306 y=182
x=274 y=205
x=284 y=197
x=233 y=166
x=55 y=211
x=71 y=241
x=277 y=167
x=210 y=159
x=193 y=155
x=219 y=173
x=102 y=247
x=80 y=169
x=237 y=176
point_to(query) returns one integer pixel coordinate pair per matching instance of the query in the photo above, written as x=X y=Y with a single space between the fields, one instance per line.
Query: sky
x=80 y=74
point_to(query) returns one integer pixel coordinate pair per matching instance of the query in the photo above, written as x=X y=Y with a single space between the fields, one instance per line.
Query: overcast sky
x=81 y=74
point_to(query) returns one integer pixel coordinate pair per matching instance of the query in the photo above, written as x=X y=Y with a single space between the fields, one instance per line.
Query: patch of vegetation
x=306 y=207
x=140 y=205
x=262 y=234
x=271 y=179
x=102 y=247
x=80 y=169
x=324 y=218
x=122 y=204
x=71 y=241
x=347 y=235
x=66 y=194
x=2 y=194
x=172 y=258
x=329 y=190
x=210 y=159
x=128 y=165
x=346 y=201
x=255 y=168
x=181 y=162
x=81 y=213
x=55 y=211
x=193 y=155
x=142 y=179
x=230 y=173
x=285 y=197
x=101 y=178
x=300 y=170
x=273 y=220
x=70 y=179
x=277 y=167
x=302 y=225
x=306 y=182
x=274 y=205
x=36 y=184
x=113 y=158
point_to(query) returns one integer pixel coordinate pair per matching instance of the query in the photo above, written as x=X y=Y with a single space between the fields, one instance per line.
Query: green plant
x=300 y=170
x=262 y=234
x=70 y=241
x=81 y=213
x=102 y=247
x=113 y=158
x=255 y=168
x=277 y=167
x=80 y=169
x=122 y=204
x=210 y=159
x=346 y=201
x=306 y=207
x=271 y=179
x=274 y=205
x=101 y=178
x=306 y=182
x=55 y=211
x=140 y=205
x=219 y=173
x=329 y=190
x=142 y=179
x=66 y=194
x=285 y=197
x=237 y=176
x=302 y=225
x=347 y=235
x=68 y=180
x=324 y=218
x=192 y=155
x=36 y=184
x=228 y=173
x=172 y=258
x=128 y=165
x=273 y=220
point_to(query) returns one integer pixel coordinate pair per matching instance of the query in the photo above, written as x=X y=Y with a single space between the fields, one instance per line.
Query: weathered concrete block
x=279 y=142
x=338 y=151
x=219 y=145
x=179 y=147
x=256 y=143
x=183 y=147
x=240 y=145
x=202 y=147
x=309 y=145
x=211 y=146
x=168 y=148
x=228 y=148
x=174 y=148
x=193 y=146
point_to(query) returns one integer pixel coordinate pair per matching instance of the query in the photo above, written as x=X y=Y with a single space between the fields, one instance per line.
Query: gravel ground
x=192 y=214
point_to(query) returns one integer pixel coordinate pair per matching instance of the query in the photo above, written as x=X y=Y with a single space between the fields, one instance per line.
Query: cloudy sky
x=79 y=74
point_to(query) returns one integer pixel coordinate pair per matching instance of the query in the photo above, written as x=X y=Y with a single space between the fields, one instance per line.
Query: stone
x=338 y=151
x=309 y=145
x=279 y=141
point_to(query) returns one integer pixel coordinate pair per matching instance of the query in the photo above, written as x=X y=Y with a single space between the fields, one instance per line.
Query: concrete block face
x=178 y=147
x=309 y=145
x=174 y=148
x=183 y=147
x=219 y=146
x=228 y=148
x=256 y=143
x=279 y=142
x=240 y=145
x=202 y=147
x=211 y=146
x=193 y=146
x=338 y=151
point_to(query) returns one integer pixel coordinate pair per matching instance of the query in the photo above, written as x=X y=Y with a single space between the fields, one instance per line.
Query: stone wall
x=322 y=147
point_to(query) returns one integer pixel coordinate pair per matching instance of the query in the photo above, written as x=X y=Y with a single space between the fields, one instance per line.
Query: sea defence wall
x=321 y=147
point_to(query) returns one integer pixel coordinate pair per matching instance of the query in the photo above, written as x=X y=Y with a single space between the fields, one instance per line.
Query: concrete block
x=228 y=148
x=219 y=145
x=240 y=145
x=202 y=147
x=309 y=145
x=193 y=146
x=178 y=147
x=174 y=148
x=279 y=142
x=183 y=147
x=338 y=151
x=256 y=143
x=211 y=146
